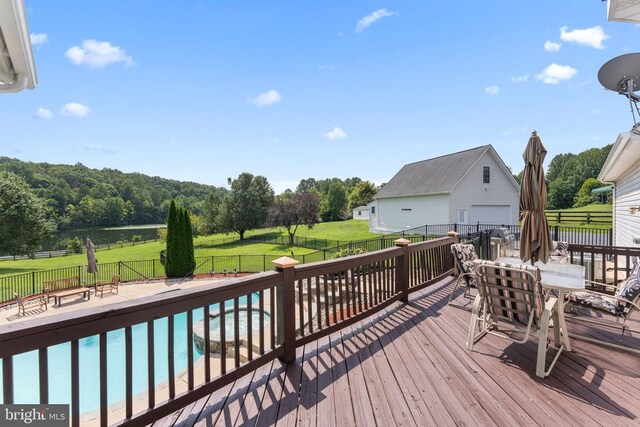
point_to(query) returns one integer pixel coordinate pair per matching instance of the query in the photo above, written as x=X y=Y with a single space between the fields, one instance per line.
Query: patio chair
x=25 y=304
x=513 y=293
x=464 y=255
x=108 y=286
x=620 y=306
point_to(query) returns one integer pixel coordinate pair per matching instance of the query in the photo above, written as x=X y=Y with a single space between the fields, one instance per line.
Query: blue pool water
x=26 y=388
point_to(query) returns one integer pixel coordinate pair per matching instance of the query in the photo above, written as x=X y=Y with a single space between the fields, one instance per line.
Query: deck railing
x=604 y=264
x=293 y=306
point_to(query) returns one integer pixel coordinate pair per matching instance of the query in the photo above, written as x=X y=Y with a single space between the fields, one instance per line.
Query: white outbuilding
x=469 y=187
x=361 y=212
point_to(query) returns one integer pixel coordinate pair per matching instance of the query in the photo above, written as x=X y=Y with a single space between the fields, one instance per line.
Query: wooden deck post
x=402 y=272
x=286 y=307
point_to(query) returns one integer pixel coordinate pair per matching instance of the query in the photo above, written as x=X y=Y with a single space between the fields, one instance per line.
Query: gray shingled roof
x=432 y=176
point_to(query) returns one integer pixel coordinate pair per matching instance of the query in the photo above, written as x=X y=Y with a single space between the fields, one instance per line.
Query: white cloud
x=335 y=133
x=492 y=90
x=592 y=37
x=555 y=73
x=37 y=39
x=520 y=79
x=371 y=19
x=96 y=54
x=43 y=113
x=266 y=98
x=75 y=109
x=550 y=46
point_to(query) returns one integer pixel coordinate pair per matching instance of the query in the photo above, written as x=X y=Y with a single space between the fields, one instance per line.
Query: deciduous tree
x=24 y=221
x=292 y=210
x=246 y=206
x=361 y=194
x=334 y=204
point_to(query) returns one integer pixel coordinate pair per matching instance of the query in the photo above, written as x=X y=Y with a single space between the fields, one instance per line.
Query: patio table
x=560 y=277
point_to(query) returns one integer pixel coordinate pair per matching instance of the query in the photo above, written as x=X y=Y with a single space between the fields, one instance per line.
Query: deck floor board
x=409 y=365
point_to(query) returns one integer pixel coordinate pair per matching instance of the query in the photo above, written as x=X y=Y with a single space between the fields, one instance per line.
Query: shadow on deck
x=408 y=365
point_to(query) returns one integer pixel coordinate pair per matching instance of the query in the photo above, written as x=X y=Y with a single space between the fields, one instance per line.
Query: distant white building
x=622 y=169
x=465 y=188
x=361 y=212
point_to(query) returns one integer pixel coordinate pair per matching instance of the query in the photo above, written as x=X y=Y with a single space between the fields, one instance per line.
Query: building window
x=486 y=174
x=406 y=209
x=359 y=213
x=373 y=209
x=462 y=216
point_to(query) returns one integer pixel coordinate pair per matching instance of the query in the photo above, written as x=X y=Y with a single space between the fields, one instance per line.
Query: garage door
x=491 y=214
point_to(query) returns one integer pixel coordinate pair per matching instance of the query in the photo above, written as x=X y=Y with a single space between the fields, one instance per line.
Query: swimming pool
x=26 y=388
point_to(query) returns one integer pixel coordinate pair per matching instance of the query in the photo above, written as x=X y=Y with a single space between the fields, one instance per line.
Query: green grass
x=203 y=246
x=590 y=208
x=596 y=209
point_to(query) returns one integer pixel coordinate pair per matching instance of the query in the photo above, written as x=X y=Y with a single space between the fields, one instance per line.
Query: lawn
x=203 y=246
x=593 y=209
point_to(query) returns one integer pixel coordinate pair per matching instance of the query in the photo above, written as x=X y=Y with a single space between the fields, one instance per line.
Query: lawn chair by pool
x=464 y=255
x=111 y=286
x=30 y=303
x=619 y=306
x=513 y=293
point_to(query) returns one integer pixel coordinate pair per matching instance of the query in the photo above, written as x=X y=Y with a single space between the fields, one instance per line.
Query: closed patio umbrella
x=535 y=241
x=91 y=257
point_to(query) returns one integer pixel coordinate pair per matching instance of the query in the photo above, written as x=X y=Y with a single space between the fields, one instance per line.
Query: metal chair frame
x=495 y=284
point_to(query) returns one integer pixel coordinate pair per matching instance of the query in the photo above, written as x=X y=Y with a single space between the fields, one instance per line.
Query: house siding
x=389 y=215
x=361 y=214
x=499 y=192
x=627 y=195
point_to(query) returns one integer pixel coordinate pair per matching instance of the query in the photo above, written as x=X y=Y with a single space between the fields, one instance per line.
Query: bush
x=74 y=246
x=136 y=238
x=344 y=252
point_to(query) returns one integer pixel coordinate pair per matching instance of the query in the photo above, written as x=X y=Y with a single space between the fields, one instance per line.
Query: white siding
x=627 y=195
x=491 y=214
x=400 y=213
x=373 y=216
x=361 y=214
x=471 y=191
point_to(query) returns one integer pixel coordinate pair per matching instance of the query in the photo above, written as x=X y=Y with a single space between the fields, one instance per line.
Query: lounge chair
x=464 y=255
x=108 y=286
x=620 y=305
x=513 y=293
x=29 y=303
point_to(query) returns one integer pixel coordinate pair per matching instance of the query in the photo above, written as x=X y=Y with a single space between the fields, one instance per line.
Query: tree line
x=251 y=203
x=76 y=196
x=37 y=199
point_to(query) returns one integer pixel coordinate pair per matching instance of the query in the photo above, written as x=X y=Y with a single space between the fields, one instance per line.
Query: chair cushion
x=596 y=301
x=465 y=254
x=629 y=289
x=560 y=249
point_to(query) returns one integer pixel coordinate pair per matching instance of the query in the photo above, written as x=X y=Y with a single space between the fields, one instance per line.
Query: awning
x=605 y=189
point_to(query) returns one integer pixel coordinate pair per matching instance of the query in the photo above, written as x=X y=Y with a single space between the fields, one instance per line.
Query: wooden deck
x=409 y=365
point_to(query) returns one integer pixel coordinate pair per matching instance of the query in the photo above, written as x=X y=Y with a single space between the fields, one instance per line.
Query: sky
x=205 y=90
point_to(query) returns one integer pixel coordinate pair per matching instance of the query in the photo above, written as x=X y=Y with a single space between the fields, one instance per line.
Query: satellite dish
x=622 y=75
